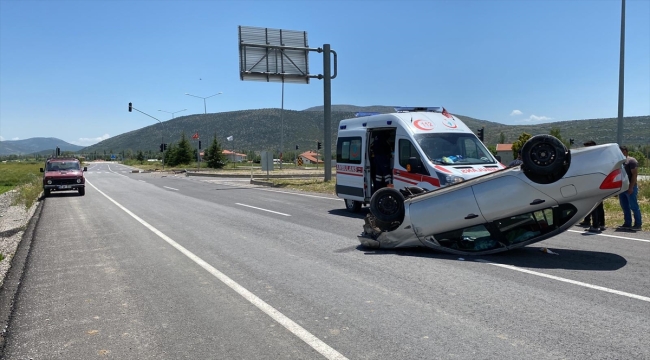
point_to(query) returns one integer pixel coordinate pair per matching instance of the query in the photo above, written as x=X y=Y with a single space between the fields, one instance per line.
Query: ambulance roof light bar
x=362 y=114
x=403 y=109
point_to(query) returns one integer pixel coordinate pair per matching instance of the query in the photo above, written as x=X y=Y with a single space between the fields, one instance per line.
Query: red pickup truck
x=62 y=174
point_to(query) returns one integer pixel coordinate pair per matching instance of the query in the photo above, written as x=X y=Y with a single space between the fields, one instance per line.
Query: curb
x=11 y=285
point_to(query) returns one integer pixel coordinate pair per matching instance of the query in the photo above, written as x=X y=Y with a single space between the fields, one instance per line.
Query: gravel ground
x=13 y=221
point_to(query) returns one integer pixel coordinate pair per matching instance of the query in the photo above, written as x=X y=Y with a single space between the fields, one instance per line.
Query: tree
x=214 y=155
x=140 y=156
x=502 y=138
x=555 y=132
x=517 y=145
x=184 y=151
x=170 y=155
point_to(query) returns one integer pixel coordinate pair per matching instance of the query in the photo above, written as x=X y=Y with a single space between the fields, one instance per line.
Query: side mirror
x=42 y=170
x=498 y=157
x=85 y=168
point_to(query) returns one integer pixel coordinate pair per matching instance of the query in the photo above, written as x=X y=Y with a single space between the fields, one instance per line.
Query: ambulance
x=422 y=147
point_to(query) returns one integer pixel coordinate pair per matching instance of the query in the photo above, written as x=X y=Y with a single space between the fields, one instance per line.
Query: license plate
x=64 y=187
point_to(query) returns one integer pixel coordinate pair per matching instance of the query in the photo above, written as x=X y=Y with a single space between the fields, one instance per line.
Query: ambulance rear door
x=351 y=166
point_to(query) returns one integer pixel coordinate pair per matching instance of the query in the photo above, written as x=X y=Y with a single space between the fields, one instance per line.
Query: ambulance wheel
x=82 y=191
x=387 y=205
x=46 y=192
x=352 y=206
x=545 y=159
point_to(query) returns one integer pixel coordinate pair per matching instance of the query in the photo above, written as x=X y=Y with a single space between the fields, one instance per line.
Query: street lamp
x=170 y=112
x=201 y=97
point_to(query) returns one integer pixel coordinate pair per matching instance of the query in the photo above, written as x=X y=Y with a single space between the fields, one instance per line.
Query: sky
x=68 y=69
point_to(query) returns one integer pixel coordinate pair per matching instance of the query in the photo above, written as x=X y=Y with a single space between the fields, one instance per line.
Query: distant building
x=233 y=156
x=505 y=151
x=310 y=157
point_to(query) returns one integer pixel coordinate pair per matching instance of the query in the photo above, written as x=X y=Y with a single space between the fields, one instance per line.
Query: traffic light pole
x=162 y=133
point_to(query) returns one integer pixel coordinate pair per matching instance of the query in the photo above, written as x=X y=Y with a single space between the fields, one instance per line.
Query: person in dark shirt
x=381 y=150
x=596 y=219
x=628 y=199
x=517 y=161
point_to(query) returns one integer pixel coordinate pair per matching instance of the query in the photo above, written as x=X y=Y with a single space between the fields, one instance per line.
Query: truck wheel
x=46 y=192
x=82 y=191
x=387 y=205
x=352 y=206
x=545 y=159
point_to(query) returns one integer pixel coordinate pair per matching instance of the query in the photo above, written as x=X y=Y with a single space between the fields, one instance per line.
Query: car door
x=443 y=210
x=507 y=196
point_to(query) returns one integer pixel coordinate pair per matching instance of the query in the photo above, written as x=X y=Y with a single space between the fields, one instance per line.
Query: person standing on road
x=381 y=149
x=628 y=199
x=595 y=220
x=517 y=161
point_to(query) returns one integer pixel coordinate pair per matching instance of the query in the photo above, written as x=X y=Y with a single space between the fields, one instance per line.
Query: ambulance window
x=348 y=150
x=471 y=150
x=407 y=150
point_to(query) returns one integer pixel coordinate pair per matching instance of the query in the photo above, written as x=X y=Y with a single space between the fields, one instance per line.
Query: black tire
x=387 y=205
x=545 y=159
x=352 y=206
x=46 y=192
x=82 y=191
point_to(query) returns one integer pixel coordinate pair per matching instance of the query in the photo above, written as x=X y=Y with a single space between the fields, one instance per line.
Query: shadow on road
x=345 y=213
x=528 y=257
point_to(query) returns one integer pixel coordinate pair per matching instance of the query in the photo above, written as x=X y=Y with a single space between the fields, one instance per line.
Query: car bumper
x=64 y=187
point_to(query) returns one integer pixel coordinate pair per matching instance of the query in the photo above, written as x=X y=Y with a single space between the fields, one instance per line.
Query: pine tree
x=214 y=155
x=184 y=151
x=140 y=156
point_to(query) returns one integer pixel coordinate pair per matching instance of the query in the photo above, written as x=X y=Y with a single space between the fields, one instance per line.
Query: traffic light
x=164 y=146
x=319 y=145
x=571 y=141
x=58 y=151
x=161 y=147
x=130 y=107
x=296 y=147
x=199 y=144
x=480 y=133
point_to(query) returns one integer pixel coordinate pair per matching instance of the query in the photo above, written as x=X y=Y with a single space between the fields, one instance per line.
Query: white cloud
x=16 y=138
x=91 y=141
x=515 y=113
x=1 y=138
x=535 y=118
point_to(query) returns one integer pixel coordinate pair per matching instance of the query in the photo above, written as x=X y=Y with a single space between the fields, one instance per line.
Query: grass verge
x=25 y=177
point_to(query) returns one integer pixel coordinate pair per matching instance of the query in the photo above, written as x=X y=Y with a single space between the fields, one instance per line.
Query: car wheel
x=352 y=206
x=46 y=192
x=545 y=159
x=82 y=191
x=387 y=205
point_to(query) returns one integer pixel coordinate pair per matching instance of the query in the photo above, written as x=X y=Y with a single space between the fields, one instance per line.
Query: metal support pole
x=282 y=126
x=621 y=72
x=327 y=109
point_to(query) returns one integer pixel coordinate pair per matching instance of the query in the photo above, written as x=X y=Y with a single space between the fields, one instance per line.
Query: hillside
x=35 y=145
x=258 y=130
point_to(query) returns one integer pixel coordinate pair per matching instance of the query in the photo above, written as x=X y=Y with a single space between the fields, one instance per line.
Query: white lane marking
x=304 y=335
x=271 y=211
x=299 y=194
x=607 y=235
x=579 y=283
x=170 y=188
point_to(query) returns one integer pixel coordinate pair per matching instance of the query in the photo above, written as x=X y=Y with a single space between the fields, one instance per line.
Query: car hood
x=62 y=173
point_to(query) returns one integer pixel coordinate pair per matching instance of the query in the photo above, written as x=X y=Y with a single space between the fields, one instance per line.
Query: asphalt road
x=146 y=266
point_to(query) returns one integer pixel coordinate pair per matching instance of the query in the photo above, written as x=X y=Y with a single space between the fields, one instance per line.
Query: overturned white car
x=552 y=190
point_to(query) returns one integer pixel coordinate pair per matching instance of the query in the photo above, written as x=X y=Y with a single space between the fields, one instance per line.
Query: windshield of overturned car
x=454 y=148
x=62 y=165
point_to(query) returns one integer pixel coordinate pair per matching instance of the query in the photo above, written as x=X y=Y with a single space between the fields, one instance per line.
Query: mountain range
x=259 y=129
x=37 y=145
